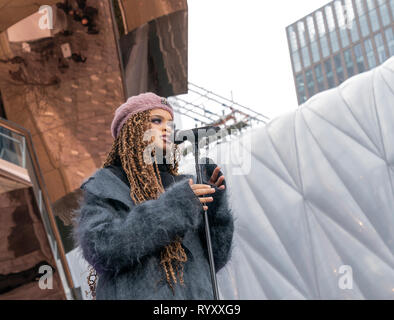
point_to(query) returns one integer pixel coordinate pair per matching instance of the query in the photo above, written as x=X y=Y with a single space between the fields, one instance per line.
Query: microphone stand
x=207 y=230
x=196 y=135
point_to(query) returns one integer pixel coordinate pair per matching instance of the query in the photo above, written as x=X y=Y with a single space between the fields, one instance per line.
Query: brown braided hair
x=127 y=151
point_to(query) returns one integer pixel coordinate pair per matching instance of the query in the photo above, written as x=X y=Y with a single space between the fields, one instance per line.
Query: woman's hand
x=200 y=190
x=217 y=181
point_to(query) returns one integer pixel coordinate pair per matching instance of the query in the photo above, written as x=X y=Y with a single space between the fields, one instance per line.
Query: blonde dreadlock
x=127 y=151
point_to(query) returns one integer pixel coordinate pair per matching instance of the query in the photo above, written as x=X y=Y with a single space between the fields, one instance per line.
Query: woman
x=140 y=224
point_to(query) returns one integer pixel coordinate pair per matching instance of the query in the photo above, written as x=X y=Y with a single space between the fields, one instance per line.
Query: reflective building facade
x=339 y=40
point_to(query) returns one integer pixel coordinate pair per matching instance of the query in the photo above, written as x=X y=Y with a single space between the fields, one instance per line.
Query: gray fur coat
x=122 y=241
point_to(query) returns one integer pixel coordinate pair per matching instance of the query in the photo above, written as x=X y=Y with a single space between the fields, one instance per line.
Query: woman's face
x=161 y=128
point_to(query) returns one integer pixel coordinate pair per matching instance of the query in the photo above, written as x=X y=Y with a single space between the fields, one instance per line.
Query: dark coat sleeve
x=221 y=222
x=110 y=241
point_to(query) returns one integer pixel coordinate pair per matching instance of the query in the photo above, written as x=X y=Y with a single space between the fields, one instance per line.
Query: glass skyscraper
x=339 y=40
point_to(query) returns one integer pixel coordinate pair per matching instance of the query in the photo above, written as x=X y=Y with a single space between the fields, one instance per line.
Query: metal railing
x=16 y=146
x=208 y=108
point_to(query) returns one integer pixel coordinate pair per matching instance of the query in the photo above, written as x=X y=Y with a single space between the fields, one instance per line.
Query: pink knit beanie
x=135 y=104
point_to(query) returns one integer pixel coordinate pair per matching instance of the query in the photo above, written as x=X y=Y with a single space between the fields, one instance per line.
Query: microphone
x=195 y=135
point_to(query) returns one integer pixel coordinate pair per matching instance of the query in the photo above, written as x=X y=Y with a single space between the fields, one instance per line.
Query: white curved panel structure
x=314 y=208
x=312 y=194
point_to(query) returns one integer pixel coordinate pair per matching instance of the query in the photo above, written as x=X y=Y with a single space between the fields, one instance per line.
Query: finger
x=219 y=181
x=199 y=186
x=206 y=199
x=222 y=187
x=215 y=174
x=205 y=208
x=202 y=192
x=205 y=187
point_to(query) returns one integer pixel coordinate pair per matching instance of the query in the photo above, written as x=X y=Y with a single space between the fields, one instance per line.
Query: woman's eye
x=156 y=121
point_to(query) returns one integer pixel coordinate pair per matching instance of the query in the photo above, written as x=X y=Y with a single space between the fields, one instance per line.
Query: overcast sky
x=242 y=46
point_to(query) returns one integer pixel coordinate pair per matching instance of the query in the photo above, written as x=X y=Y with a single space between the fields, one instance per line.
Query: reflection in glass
x=373 y=15
x=370 y=54
x=339 y=68
x=330 y=18
x=342 y=23
x=360 y=7
x=311 y=28
x=392 y=7
x=364 y=26
x=293 y=39
x=320 y=23
x=319 y=77
x=305 y=57
x=384 y=13
x=370 y=4
x=334 y=41
x=329 y=74
x=358 y=53
x=310 y=82
x=296 y=61
x=344 y=37
x=324 y=46
x=348 y=62
x=350 y=21
x=300 y=88
x=354 y=31
x=339 y=12
x=390 y=40
x=301 y=33
x=315 y=52
x=380 y=47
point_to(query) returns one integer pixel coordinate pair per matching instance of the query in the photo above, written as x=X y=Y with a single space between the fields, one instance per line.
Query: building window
x=344 y=37
x=311 y=28
x=293 y=39
x=339 y=68
x=320 y=23
x=324 y=46
x=370 y=4
x=380 y=48
x=358 y=53
x=342 y=22
x=392 y=7
x=350 y=20
x=360 y=7
x=330 y=18
x=301 y=33
x=315 y=52
x=329 y=74
x=301 y=88
x=305 y=57
x=319 y=77
x=349 y=62
x=354 y=31
x=373 y=15
x=390 y=40
x=334 y=41
x=384 y=13
x=370 y=54
x=296 y=61
x=364 y=25
x=310 y=82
